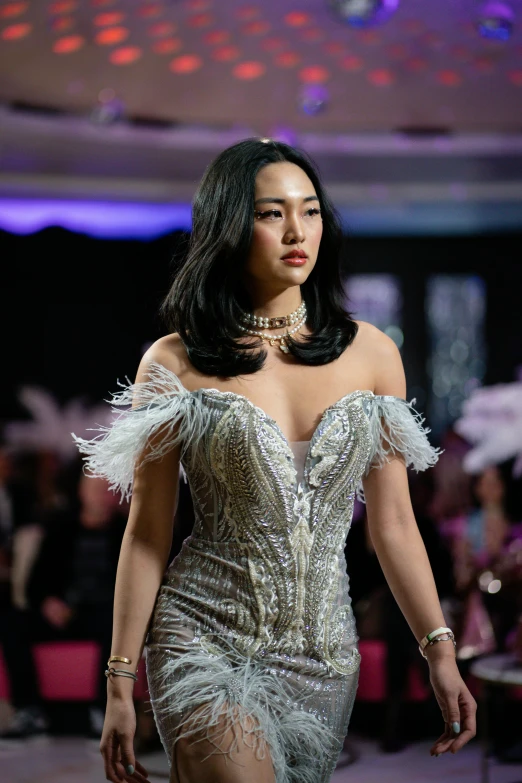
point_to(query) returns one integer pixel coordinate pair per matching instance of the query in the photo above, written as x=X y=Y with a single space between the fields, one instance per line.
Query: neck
x=279 y=304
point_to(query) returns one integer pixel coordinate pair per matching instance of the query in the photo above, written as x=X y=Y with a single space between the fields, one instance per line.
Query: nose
x=294 y=233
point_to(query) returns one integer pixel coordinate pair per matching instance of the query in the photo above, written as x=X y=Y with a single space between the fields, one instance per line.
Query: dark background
x=77 y=311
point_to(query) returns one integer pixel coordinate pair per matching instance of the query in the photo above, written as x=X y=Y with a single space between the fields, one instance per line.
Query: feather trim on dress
x=228 y=689
x=162 y=408
x=396 y=428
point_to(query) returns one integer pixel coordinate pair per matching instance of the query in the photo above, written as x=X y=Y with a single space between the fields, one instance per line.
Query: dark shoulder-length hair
x=207 y=295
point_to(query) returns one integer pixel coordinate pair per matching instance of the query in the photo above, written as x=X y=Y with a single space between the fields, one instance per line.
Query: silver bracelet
x=120 y=673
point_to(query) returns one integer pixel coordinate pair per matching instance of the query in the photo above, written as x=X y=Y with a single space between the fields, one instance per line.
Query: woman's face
x=287 y=217
x=490 y=487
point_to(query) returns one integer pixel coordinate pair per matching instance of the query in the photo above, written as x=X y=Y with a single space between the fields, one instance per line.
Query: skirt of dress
x=300 y=708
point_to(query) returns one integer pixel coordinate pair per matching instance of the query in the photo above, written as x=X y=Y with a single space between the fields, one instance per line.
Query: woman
x=252 y=656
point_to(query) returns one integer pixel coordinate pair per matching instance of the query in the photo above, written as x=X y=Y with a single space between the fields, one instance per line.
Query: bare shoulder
x=385 y=359
x=168 y=351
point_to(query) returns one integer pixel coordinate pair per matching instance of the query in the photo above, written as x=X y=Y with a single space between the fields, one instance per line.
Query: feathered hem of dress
x=236 y=695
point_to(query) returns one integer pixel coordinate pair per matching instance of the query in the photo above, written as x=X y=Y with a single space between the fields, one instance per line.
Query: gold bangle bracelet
x=118 y=658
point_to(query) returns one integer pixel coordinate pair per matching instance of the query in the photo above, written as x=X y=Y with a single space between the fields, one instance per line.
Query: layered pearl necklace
x=298 y=317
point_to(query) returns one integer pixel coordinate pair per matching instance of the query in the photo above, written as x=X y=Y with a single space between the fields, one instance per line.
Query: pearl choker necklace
x=298 y=315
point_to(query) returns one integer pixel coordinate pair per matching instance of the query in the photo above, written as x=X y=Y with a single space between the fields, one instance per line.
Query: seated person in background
x=69 y=594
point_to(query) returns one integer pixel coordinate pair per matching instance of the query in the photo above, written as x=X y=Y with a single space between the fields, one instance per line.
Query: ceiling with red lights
x=224 y=63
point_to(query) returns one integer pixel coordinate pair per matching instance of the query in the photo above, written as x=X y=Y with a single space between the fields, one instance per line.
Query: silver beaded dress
x=253 y=619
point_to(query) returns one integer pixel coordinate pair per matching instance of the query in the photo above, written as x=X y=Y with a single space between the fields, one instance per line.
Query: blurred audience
x=68 y=595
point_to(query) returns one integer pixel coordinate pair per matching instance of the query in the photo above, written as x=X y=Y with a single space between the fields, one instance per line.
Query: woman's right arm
x=143 y=557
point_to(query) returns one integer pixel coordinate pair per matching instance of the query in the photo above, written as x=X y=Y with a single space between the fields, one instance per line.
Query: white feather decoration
x=396 y=427
x=162 y=407
x=492 y=422
x=228 y=686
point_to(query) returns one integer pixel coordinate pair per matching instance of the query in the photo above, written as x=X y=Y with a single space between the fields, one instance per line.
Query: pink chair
x=67 y=670
x=372 y=676
x=5 y=689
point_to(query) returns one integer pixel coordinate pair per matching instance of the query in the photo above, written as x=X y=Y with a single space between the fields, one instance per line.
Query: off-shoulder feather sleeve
x=162 y=408
x=395 y=427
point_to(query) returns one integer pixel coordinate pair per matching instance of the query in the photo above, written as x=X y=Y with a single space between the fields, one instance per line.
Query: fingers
x=460 y=724
x=120 y=763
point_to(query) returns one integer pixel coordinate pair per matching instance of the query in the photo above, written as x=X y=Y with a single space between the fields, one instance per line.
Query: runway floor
x=78 y=760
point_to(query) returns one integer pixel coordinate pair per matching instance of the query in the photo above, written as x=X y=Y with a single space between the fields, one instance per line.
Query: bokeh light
x=63 y=7
x=334 y=48
x=351 y=62
x=249 y=70
x=161 y=29
x=14 y=32
x=111 y=36
x=273 y=44
x=68 y=44
x=102 y=3
x=381 y=77
x=108 y=19
x=247 y=12
x=198 y=5
x=167 y=46
x=200 y=20
x=364 y=13
x=287 y=59
x=515 y=77
x=150 y=11
x=256 y=28
x=449 y=78
x=60 y=24
x=314 y=74
x=216 y=37
x=12 y=10
x=312 y=35
x=125 y=55
x=225 y=54
x=297 y=19
x=186 y=63
x=313 y=99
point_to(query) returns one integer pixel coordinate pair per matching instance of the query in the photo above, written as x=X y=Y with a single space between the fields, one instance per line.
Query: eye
x=269 y=214
x=313 y=211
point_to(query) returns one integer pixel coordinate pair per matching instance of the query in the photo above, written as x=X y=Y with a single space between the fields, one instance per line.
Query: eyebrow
x=282 y=200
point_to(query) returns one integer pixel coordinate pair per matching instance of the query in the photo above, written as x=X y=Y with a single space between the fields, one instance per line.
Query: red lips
x=296 y=254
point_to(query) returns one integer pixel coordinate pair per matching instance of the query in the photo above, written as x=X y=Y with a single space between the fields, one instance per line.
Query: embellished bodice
x=267 y=548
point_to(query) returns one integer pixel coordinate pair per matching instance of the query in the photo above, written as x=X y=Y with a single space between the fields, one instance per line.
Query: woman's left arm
x=404 y=561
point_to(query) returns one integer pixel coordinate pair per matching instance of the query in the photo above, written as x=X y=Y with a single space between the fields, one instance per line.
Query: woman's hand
x=116 y=745
x=455 y=701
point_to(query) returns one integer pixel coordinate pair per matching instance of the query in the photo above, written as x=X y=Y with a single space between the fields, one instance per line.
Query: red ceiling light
x=449 y=78
x=397 y=51
x=198 y=5
x=369 y=37
x=247 y=12
x=216 y=37
x=186 y=63
x=287 y=59
x=16 y=31
x=314 y=74
x=381 y=77
x=334 y=47
x=109 y=19
x=416 y=64
x=125 y=55
x=225 y=54
x=256 y=28
x=161 y=29
x=68 y=44
x=111 y=36
x=351 y=63
x=11 y=10
x=248 y=70
x=150 y=11
x=312 y=35
x=515 y=77
x=484 y=64
x=63 y=7
x=102 y=3
x=200 y=20
x=297 y=19
x=167 y=46
x=461 y=53
x=273 y=44
x=62 y=23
